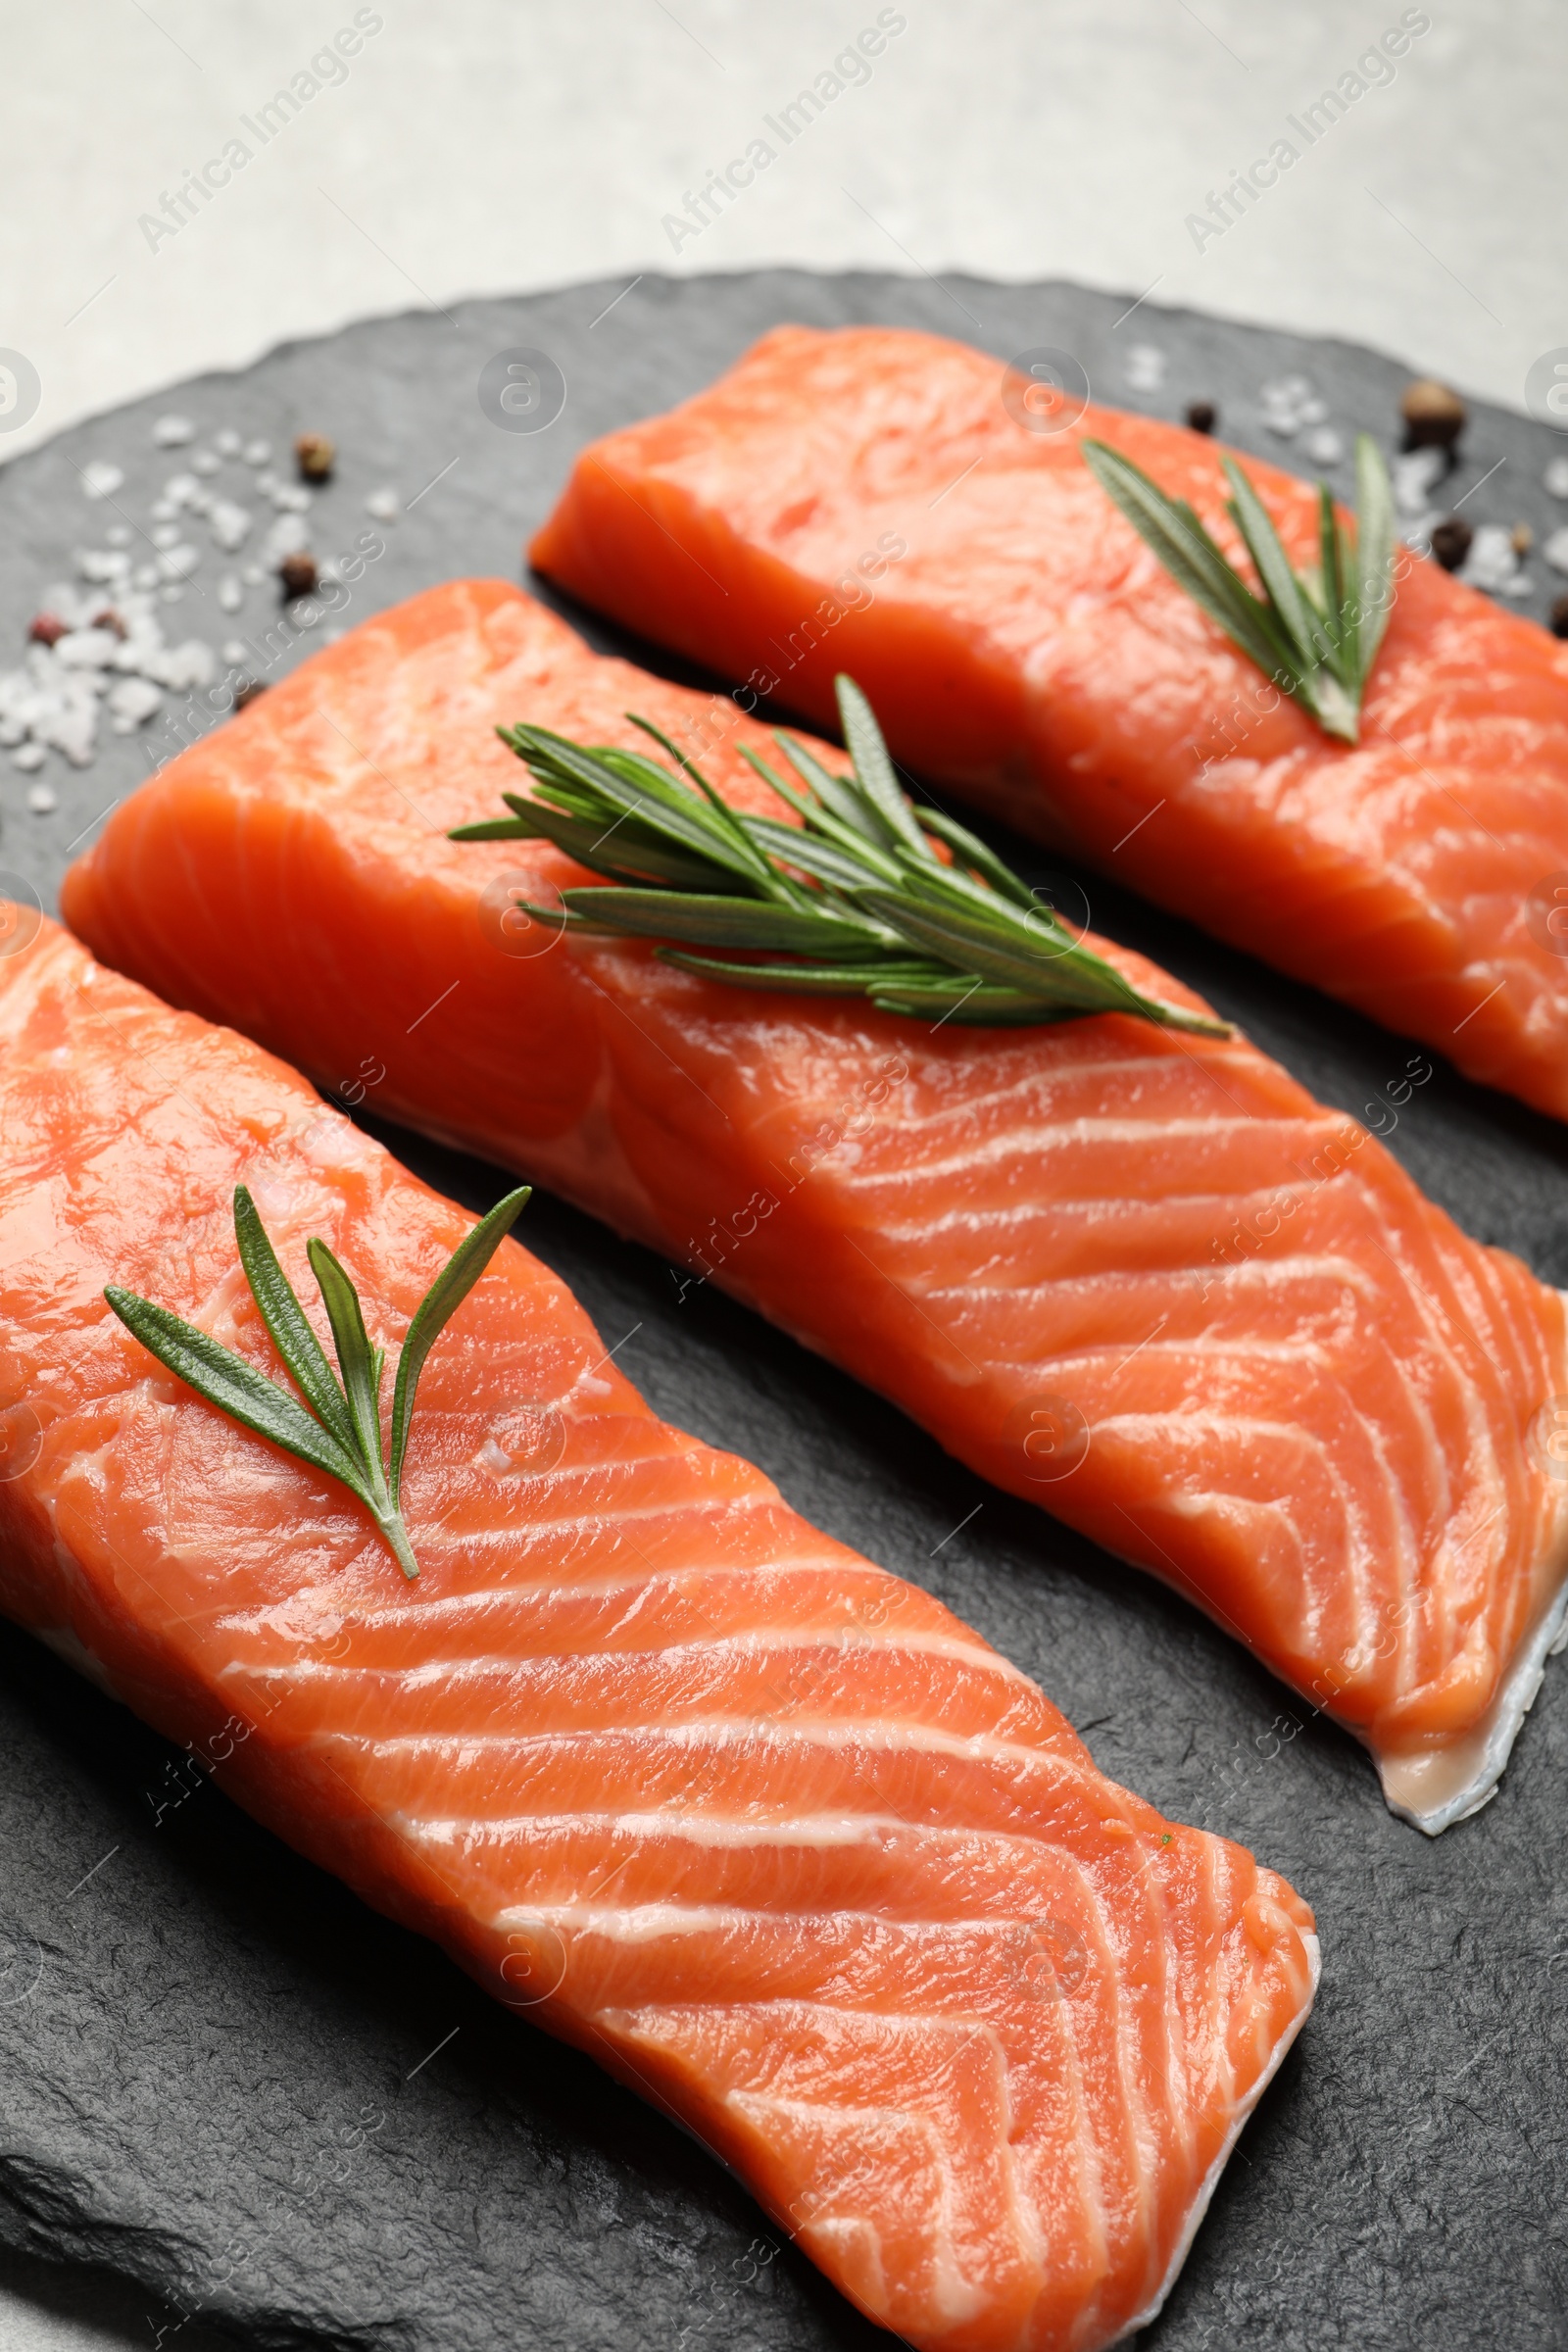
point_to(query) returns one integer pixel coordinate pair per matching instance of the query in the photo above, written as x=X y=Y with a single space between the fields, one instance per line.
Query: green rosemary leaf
x=974 y=1004
x=873 y=768
x=1374 y=553
x=1293 y=609
x=792 y=845
x=853 y=901
x=669 y=809
x=346 y=1440
x=860 y=833
x=296 y=1342
x=356 y=1358
x=723 y=816
x=435 y=1310
x=974 y=853
x=800 y=979
x=1318 y=646
x=721 y=922
x=840 y=796
x=236 y=1388
x=635 y=858
x=1184 y=546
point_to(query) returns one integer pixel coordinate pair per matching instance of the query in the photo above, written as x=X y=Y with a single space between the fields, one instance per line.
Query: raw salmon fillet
x=864 y=500
x=765 y=1830
x=1140 y=1277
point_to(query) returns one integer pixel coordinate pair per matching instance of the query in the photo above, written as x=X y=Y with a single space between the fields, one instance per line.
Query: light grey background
x=500 y=145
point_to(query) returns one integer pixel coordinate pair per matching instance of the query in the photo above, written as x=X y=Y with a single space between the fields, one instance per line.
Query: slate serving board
x=226 y=2080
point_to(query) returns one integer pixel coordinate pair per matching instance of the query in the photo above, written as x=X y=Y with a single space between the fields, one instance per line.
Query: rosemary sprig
x=341 y=1432
x=1316 y=635
x=856 y=894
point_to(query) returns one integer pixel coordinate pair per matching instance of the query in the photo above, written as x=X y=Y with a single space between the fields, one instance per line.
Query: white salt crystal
x=1555 y=477
x=87 y=649
x=1556 y=550
x=231 y=524
x=172 y=432
x=287 y=536
x=29 y=756
x=179 y=562
x=252 y=575
x=235 y=651
x=165 y=535
x=42 y=799
x=1324 y=446
x=1416 y=475
x=291 y=500
x=131 y=702
x=101 y=480
x=226 y=443
x=257 y=452
x=205 y=461
x=1145 y=372
x=383 y=506
x=119 y=535
x=230 y=593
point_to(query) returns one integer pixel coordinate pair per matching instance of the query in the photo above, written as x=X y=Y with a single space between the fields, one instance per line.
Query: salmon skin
x=1141 y=1278
x=865 y=499
x=765 y=1830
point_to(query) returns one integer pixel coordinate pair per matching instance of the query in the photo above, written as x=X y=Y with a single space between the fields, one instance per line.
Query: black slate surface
x=225 y=2081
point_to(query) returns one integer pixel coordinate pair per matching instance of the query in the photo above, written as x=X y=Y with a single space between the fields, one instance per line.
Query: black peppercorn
x=1559 y=616
x=1203 y=415
x=298 y=574
x=1450 y=542
x=247 y=690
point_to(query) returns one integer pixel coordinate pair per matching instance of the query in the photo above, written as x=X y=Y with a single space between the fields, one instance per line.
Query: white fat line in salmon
x=852 y=1119
x=1331 y=1160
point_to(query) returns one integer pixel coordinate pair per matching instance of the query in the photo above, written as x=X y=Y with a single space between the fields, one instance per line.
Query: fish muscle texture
x=768 y=1830
x=866 y=499
x=1142 y=1278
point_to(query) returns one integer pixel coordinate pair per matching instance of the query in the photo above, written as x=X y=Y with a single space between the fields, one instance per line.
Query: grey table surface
x=259 y=2108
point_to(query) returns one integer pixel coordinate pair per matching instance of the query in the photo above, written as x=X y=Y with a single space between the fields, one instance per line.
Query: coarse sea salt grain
x=382 y=504
x=1555 y=477
x=205 y=461
x=1556 y=550
x=119 y=535
x=229 y=525
x=32 y=756
x=1492 y=563
x=287 y=536
x=100 y=478
x=172 y=432
x=237 y=650
x=1146 y=367
x=1324 y=446
x=1415 y=477
x=228 y=442
x=257 y=452
x=42 y=799
x=230 y=593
